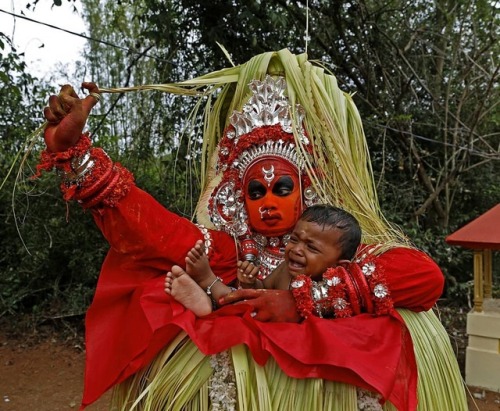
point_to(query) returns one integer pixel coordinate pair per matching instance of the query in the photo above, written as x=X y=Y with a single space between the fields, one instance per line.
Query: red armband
x=88 y=174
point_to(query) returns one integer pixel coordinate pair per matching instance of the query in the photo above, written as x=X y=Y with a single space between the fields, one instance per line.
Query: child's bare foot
x=185 y=290
x=197 y=264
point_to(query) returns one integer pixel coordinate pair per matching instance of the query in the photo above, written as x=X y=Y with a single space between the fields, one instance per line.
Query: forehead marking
x=268 y=174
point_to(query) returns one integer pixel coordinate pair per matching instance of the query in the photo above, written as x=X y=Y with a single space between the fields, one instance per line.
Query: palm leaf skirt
x=182 y=378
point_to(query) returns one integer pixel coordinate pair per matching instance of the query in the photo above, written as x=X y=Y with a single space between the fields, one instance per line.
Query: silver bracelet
x=319 y=294
x=80 y=167
x=209 y=288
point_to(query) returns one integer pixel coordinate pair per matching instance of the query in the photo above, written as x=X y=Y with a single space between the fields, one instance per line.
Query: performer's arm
x=399 y=278
x=414 y=279
x=134 y=223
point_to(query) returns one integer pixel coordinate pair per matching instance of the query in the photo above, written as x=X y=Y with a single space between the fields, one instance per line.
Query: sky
x=44 y=47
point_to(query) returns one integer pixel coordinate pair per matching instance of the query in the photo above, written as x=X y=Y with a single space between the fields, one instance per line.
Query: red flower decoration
x=301 y=290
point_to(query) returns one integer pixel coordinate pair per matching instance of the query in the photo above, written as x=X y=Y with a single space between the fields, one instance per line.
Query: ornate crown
x=267 y=106
x=267 y=109
x=264 y=128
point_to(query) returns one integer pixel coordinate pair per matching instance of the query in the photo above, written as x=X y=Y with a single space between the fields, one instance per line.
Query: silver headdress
x=264 y=128
x=267 y=106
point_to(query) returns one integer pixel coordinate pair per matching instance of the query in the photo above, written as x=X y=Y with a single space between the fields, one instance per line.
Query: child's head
x=322 y=237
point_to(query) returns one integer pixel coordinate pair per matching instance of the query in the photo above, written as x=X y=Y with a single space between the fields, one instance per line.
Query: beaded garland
x=301 y=290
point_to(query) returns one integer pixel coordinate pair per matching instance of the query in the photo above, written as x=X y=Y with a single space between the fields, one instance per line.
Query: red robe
x=131 y=317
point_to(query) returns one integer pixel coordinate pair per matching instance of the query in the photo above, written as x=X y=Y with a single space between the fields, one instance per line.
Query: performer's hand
x=268 y=305
x=66 y=115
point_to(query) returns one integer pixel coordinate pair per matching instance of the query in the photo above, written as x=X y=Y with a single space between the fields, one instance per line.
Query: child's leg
x=185 y=290
x=198 y=267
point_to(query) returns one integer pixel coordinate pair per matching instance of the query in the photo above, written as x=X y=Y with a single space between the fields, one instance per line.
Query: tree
x=425 y=78
x=45 y=269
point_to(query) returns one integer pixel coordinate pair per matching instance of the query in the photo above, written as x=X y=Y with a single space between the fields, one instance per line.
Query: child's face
x=312 y=249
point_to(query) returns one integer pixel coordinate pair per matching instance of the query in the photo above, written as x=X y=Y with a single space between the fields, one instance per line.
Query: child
x=323 y=237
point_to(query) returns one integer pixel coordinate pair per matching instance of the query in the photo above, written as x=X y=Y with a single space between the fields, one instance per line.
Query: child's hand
x=247 y=274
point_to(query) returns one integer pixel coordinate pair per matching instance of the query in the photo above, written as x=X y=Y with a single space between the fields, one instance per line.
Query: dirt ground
x=46 y=374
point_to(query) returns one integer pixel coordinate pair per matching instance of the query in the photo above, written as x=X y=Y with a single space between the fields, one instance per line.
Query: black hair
x=327 y=215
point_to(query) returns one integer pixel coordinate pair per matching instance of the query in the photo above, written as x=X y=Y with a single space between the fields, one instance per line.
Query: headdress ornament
x=263 y=129
x=267 y=107
x=341 y=173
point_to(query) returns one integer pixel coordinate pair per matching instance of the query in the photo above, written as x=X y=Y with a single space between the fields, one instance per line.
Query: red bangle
x=379 y=293
x=352 y=292
x=116 y=188
x=91 y=202
x=363 y=290
x=121 y=189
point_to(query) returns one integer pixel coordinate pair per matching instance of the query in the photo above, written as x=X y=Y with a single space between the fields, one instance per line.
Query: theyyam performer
x=279 y=136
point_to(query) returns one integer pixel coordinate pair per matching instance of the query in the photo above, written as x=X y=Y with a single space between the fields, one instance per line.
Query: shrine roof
x=481 y=233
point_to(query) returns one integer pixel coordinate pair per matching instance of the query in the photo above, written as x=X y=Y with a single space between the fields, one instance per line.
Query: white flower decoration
x=368 y=268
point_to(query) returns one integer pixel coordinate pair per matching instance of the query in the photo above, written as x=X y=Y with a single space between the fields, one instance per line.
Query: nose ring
x=263 y=211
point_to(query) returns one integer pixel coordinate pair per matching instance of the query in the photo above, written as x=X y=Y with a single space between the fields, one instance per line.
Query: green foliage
x=455 y=262
x=50 y=265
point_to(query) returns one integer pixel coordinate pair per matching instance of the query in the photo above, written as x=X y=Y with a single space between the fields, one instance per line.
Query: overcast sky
x=44 y=47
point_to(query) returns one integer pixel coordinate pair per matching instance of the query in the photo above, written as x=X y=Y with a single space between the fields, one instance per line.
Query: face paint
x=272 y=196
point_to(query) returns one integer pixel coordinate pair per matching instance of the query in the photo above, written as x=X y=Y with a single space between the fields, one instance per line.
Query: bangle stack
x=89 y=176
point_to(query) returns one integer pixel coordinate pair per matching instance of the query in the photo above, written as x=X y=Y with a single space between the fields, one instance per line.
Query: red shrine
x=483 y=322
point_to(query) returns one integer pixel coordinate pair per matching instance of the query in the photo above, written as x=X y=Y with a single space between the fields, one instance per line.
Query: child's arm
x=279 y=279
x=247 y=275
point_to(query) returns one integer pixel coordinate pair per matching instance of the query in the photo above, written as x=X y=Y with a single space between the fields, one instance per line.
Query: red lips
x=271 y=217
x=271 y=220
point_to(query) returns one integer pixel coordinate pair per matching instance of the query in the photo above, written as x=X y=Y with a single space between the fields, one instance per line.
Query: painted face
x=272 y=196
x=312 y=249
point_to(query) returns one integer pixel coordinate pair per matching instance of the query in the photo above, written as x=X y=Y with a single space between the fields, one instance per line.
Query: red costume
x=131 y=317
x=131 y=311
